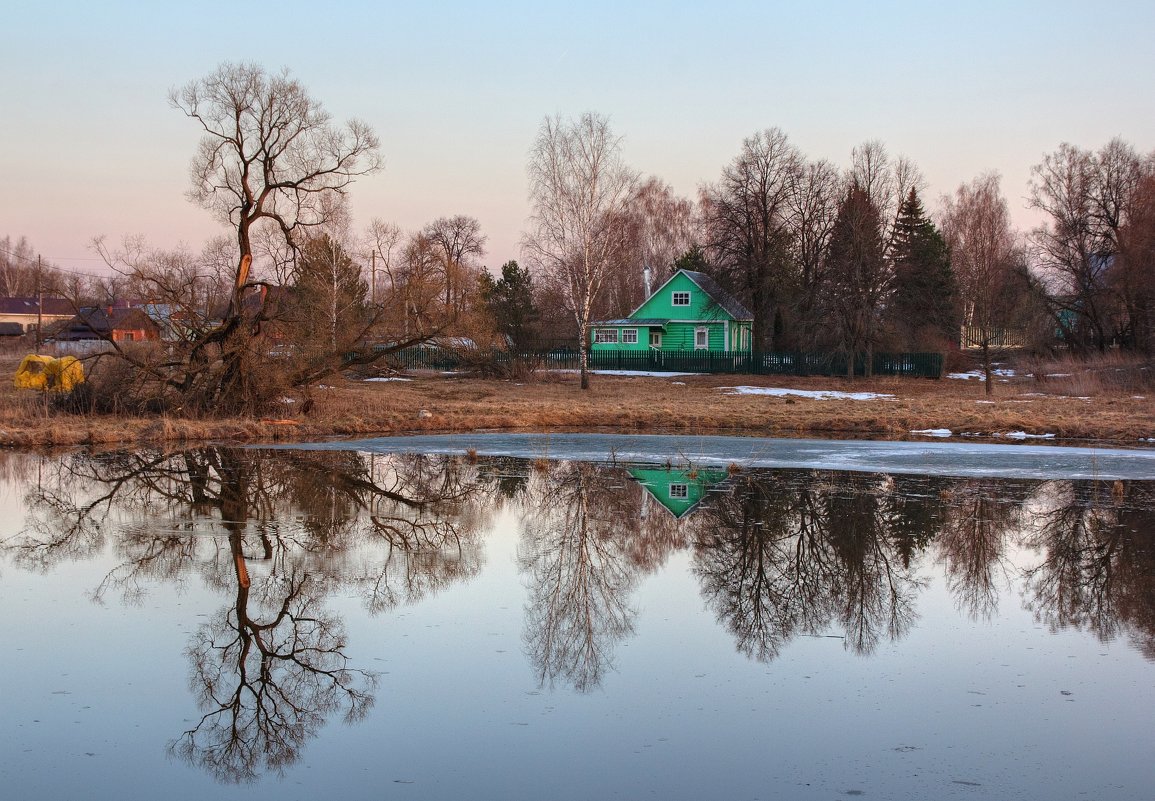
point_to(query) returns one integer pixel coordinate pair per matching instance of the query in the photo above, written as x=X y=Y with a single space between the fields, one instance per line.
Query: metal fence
x=923 y=365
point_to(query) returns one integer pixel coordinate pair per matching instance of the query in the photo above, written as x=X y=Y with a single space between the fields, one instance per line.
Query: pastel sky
x=456 y=92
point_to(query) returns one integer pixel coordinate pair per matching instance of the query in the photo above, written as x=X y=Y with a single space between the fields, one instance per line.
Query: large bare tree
x=579 y=187
x=269 y=156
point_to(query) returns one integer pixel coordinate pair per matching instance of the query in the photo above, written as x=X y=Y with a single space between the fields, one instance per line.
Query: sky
x=456 y=91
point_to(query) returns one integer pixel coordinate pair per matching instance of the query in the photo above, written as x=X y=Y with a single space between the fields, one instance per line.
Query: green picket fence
x=922 y=365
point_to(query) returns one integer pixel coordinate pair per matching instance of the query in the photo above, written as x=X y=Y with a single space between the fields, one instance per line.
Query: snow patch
x=637 y=373
x=934 y=432
x=388 y=378
x=816 y=394
x=999 y=371
x=1024 y=435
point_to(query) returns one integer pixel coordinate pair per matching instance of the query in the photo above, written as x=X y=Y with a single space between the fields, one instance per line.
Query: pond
x=487 y=618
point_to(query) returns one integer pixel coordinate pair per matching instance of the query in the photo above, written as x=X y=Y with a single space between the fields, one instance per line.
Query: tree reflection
x=786 y=554
x=978 y=517
x=1098 y=571
x=276 y=531
x=268 y=671
x=573 y=554
x=778 y=554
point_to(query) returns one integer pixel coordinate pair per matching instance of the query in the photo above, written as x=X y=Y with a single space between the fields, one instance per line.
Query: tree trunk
x=583 y=361
x=987 y=373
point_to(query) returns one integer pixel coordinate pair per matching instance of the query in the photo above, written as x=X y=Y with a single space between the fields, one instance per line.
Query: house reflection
x=678 y=490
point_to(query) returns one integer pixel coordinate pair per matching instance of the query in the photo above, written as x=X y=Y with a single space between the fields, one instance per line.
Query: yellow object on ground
x=49 y=374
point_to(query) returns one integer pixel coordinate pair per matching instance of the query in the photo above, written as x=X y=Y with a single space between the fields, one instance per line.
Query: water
x=361 y=624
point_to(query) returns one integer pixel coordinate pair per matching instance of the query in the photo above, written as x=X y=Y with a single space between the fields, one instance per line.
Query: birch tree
x=984 y=256
x=579 y=188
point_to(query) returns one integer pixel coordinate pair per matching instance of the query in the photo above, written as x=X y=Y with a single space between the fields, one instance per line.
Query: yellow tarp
x=49 y=374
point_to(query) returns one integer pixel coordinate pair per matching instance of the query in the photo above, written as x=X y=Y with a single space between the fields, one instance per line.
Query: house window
x=606 y=336
x=679 y=491
x=701 y=338
x=681 y=299
x=629 y=336
x=655 y=339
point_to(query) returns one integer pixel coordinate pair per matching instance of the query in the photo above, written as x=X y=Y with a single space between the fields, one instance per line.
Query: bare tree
x=813 y=204
x=458 y=240
x=382 y=246
x=580 y=189
x=665 y=225
x=886 y=180
x=984 y=256
x=1087 y=198
x=269 y=156
x=748 y=232
x=1135 y=278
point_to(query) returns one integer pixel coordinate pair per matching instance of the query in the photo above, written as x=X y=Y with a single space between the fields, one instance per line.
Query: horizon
x=456 y=95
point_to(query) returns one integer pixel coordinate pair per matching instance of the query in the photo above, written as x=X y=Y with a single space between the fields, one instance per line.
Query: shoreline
x=823 y=408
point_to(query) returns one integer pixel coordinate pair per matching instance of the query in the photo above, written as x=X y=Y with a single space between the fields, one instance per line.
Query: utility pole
x=373 y=273
x=39 y=302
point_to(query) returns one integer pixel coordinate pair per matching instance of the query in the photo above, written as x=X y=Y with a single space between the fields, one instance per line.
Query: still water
x=296 y=623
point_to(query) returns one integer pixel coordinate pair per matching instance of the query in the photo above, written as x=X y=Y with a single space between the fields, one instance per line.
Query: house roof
x=722 y=297
x=53 y=306
x=101 y=322
x=632 y=321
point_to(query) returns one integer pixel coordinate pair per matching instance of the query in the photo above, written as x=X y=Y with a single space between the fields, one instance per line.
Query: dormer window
x=681 y=299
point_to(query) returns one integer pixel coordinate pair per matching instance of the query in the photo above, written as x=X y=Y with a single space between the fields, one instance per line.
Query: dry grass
x=687 y=404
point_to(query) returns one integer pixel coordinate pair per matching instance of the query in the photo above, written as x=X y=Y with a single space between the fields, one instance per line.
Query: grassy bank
x=688 y=404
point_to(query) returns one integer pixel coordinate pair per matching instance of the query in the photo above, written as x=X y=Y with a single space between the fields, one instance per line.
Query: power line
x=54 y=268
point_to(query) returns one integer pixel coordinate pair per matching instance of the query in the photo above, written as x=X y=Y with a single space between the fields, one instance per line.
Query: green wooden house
x=679 y=491
x=690 y=312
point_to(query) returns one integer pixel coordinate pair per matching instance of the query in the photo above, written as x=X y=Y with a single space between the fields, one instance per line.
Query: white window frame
x=655 y=339
x=702 y=330
x=629 y=336
x=680 y=492
x=675 y=295
x=602 y=336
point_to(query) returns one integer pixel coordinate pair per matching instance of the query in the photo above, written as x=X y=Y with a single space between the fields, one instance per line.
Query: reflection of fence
x=924 y=365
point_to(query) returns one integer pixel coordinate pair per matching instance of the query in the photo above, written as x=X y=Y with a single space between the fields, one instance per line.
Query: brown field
x=1075 y=408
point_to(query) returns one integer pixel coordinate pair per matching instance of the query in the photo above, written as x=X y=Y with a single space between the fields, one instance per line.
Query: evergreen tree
x=693 y=259
x=859 y=279
x=510 y=301
x=328 y=297
x=924 y=307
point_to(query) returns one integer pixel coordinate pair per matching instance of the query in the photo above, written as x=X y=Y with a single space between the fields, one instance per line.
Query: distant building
x=110 y=323
x=26 y=311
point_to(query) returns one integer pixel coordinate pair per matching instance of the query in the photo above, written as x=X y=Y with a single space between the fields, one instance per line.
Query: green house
x=690 y=312
x=679 y=491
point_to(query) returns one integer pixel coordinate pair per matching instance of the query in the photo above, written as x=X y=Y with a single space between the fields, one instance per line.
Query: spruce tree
x=923 y=309
x=858 y=280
